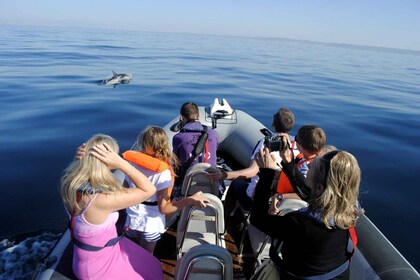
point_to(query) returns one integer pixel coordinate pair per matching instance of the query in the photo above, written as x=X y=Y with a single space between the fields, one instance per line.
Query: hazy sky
x=383 y=23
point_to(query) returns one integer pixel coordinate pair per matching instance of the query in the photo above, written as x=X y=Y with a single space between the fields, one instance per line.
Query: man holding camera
x=242 y=191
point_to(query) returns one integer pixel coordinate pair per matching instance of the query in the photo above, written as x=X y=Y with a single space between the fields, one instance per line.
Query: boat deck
x=242 y=265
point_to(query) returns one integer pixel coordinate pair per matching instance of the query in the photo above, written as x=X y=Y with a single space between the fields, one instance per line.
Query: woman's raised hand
x=265 y=160
x=286 y=153
x=104 y=153
x=80 y=152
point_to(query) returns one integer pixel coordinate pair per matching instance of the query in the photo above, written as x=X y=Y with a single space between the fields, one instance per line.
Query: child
x=156 y=160
x=309 y=140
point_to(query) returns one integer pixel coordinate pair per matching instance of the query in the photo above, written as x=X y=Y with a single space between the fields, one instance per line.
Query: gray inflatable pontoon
x=375 y=257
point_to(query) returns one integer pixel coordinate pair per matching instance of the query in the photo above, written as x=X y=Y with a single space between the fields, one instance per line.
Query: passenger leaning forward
x=184 y=142
x=314 y=239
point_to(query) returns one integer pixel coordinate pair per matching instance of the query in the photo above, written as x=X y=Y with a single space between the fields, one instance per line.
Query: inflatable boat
x=375 y=257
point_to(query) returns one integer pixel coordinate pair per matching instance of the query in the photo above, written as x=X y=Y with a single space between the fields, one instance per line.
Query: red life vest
x=283 y=184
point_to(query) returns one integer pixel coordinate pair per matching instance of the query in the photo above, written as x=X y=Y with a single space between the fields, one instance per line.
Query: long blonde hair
x=154 y=142
x=340 y=176
x=88 y=170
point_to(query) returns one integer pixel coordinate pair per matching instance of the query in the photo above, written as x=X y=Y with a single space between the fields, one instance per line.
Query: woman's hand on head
x=104 y=153
x=80 y=152
x=265 y=160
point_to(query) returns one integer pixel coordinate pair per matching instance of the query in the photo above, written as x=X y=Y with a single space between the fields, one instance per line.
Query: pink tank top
x=124 y=260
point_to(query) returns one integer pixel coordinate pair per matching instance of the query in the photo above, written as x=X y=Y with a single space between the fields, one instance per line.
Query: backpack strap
x=200 y=146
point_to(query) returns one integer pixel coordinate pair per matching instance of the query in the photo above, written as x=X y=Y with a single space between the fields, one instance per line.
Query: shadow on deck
x=242 y=266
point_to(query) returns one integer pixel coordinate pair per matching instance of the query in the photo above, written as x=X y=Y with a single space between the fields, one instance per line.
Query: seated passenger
x=93 y=196
x=316 y=240
x=184 y=142
x=240 y=190
x=156 y=160
x=309 y=140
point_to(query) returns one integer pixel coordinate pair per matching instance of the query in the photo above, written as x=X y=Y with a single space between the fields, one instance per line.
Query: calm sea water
x=366 y=99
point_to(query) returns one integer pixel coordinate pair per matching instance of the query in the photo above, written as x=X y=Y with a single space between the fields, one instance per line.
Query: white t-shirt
x=254 y=180
x=147 y=218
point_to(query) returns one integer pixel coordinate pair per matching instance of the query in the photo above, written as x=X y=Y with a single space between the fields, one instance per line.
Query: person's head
x=311 y=138
x=334 y=178
x=189 y=112
x=283 y=120
x=327 y=148
x=91 y=170
x=154 y=142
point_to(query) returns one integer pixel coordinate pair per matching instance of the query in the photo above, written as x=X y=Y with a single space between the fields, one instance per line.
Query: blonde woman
x=156 y=160
x=93 y=196
x=315 y=239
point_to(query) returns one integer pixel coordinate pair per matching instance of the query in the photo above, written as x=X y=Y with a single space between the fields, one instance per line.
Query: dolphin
x=117 y=79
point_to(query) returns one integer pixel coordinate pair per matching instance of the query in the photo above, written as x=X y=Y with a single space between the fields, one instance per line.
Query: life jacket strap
x=150 y=203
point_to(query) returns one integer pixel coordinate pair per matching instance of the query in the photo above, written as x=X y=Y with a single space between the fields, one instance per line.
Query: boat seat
x=206 y=261
x=199 y=226
x=260 y=242
x=196 y=180
x=288 y=205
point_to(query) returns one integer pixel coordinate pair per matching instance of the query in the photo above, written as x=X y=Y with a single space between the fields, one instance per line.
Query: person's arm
x=168 y=207
x=245 y=173
x=129 y=197
x=275 y=199
x=297 y=180
x=260 y=217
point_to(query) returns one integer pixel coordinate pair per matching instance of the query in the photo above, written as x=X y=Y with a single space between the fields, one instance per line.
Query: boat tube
x=375 y=256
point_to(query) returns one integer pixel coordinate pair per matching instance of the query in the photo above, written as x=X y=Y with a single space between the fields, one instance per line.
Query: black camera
x=272 y=141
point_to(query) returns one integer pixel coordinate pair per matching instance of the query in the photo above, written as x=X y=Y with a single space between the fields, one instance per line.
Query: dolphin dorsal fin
x=114 y=74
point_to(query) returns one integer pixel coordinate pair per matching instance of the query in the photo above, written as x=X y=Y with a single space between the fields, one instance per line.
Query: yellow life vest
x=149 y=162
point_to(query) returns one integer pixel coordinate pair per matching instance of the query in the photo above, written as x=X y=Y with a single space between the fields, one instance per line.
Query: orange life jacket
x=149 y=162
x=283 y=184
